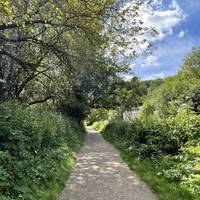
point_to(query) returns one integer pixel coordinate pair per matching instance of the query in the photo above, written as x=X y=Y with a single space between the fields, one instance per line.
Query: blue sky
x=178 y=23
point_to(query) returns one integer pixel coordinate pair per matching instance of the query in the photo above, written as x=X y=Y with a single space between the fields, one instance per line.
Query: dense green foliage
x=61 y=55
x=100 y=125
x=100 y=117
x=150 y=170
x=121 y=96
x=167 y=135
x=36 y=147
x=126 y=95
x=100 y=114
x=64 y=53
x=159 y=146
x=177 y=91
x=67 y=57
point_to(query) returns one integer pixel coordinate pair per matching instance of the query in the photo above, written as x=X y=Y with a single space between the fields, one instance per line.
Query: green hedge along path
x=100 y=174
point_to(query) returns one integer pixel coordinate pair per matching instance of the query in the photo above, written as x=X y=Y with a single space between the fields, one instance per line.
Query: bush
x=174 y=139
x=169 y=127
x=100 y=114
x=186 y=167
x=33 y=145
x=100 y=125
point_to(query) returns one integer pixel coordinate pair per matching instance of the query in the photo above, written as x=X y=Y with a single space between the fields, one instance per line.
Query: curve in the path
x=100 y=174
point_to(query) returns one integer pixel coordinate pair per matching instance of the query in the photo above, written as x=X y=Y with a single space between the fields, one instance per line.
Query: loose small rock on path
x=100 y=174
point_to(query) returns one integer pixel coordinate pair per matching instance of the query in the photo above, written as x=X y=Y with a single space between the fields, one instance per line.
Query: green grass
x=37 y=152
x=163 y=187
x=55 y=188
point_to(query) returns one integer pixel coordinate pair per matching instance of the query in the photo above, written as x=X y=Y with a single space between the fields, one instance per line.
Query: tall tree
x=62 y=51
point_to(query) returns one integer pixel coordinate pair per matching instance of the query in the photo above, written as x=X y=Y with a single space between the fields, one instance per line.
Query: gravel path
x=100 y=174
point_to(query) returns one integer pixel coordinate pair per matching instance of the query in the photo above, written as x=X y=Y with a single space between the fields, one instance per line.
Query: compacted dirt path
x=100 y=174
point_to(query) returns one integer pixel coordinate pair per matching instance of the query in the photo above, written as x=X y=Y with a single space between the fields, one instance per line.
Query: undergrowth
x=171 y=172
x=37 y=152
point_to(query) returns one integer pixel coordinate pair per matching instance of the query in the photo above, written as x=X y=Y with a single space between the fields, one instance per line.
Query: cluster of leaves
x=185 y=168
x=99 y=114
x=100 y=125
x=153 y=136
x=177 y=101
x=100 y=117
x=34 y=145
x=167 y=139
x=48 y=47
x=176 y=91
x=169 y=127
x=124 y=95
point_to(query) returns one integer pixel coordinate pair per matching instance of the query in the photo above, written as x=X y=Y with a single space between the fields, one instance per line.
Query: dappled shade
x=101 y=174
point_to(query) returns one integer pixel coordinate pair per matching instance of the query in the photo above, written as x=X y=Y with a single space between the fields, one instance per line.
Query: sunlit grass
x=164 y=188
x=55 y=188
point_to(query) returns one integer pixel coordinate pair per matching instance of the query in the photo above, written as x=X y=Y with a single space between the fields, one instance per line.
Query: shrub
x=100 y=125
x=186 y=167
x=174 y=140
x=33 y=145
x=100 y=114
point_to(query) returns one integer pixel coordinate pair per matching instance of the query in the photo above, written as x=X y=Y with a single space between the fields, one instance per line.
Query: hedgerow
x=172 y=144
x=35 y=146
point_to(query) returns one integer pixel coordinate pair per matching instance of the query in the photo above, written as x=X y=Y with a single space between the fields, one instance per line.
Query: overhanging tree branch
x=18 y=60
x=41 y=100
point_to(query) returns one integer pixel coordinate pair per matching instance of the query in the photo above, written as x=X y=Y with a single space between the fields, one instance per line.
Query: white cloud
x=160 y=75
x=157 y=2
x=182 y=34
x=150 y=61
x=158 y=15
x=163 y=19
x=168 y=57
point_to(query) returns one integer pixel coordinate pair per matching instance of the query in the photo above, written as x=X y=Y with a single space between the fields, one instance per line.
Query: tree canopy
x=64 y=51
x=181 y=89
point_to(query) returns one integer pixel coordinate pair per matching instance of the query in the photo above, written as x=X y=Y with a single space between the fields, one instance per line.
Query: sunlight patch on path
x=100 y=174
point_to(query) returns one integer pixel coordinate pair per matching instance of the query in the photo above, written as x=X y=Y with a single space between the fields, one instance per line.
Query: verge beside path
x=100 y=174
